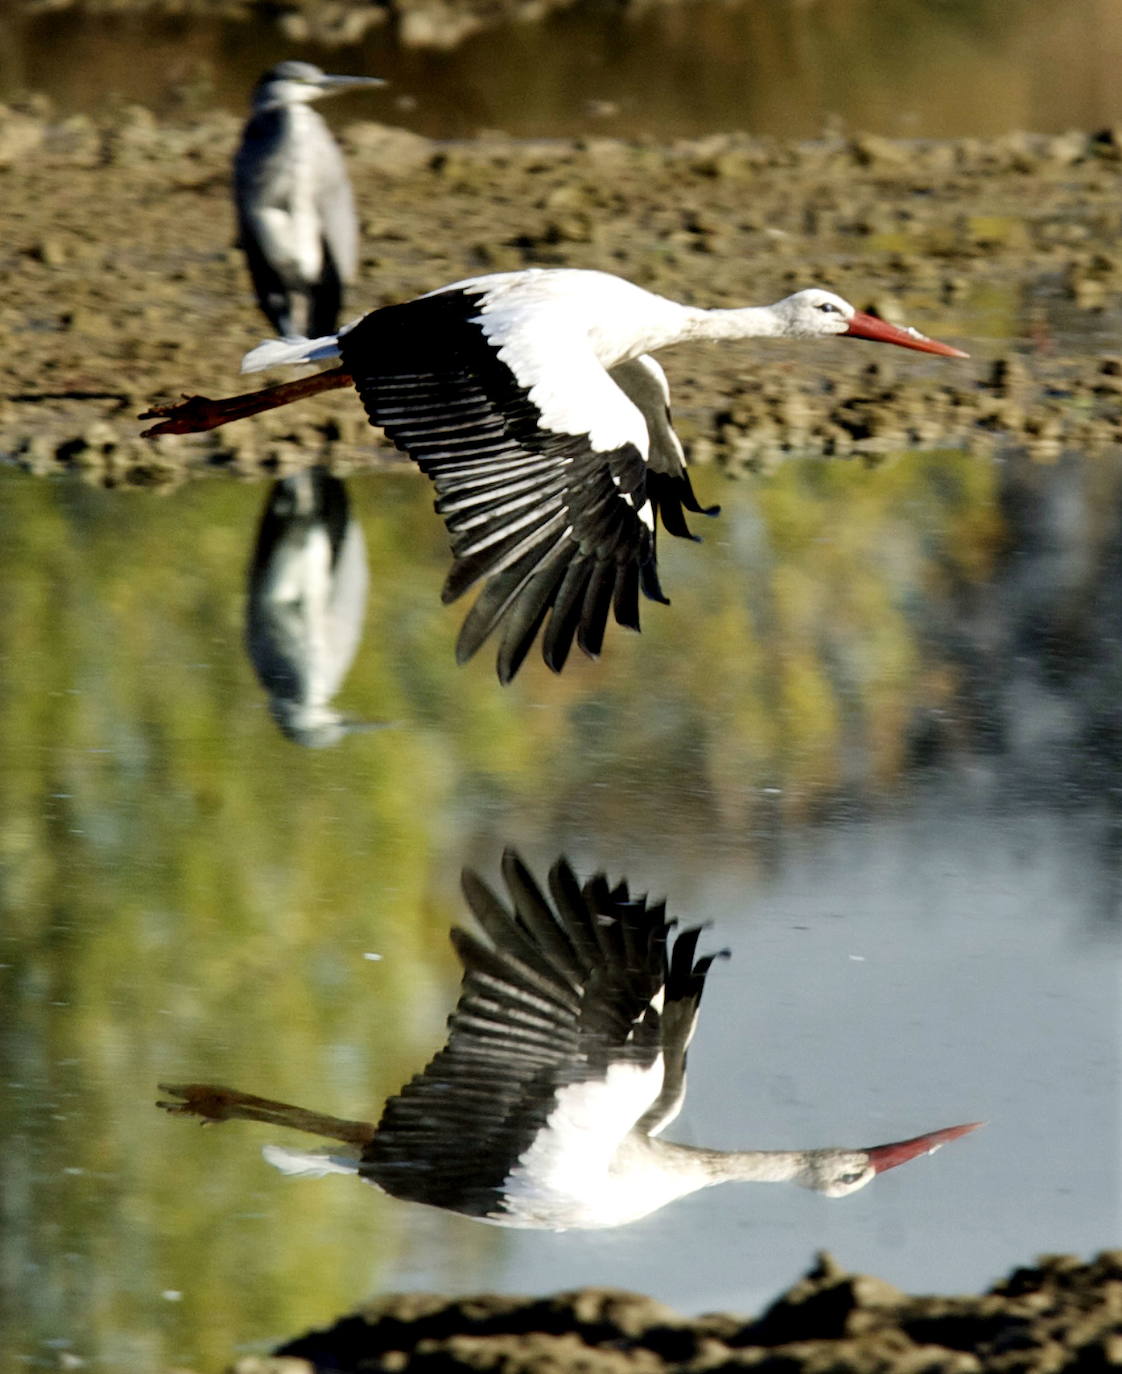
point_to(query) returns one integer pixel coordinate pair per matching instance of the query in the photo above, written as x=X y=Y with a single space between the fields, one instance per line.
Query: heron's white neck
x=286 y=98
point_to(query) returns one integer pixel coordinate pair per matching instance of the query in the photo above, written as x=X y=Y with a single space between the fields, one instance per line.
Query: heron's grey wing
x=550 y=522
x=685 y=982
x=334 y=225
x=566 y=991
x=336 y=208
x=644 y=381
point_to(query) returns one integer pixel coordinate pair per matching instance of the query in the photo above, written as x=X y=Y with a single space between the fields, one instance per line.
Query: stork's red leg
x=210 y=1102
x=194 y=414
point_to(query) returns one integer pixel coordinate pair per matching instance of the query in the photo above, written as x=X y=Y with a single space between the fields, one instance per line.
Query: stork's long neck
x=647 y=1173
x=707 y=1167
x=746 y=322
x=670 y=323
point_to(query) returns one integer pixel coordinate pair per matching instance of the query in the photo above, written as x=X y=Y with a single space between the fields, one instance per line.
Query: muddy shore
x=1060 y=1314
x=123 y=285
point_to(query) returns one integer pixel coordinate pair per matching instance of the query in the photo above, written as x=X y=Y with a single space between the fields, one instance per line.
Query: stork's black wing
x=552 y=525
x=568 y=987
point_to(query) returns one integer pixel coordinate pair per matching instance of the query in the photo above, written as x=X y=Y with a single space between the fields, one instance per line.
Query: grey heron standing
x=565 y=1059
x=296 y=214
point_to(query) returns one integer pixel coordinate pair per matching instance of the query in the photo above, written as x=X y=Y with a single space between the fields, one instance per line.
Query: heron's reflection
x=565 y=1059
x=307 y=594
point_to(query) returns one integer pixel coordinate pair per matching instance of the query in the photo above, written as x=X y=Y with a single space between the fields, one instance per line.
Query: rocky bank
x=1058 y=1315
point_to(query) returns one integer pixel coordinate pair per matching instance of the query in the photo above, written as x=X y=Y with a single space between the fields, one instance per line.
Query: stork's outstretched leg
x=193 y=414
x=210 y=1103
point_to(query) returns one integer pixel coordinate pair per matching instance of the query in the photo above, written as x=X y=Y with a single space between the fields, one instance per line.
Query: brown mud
x=1061 y=1314
x=123 y=287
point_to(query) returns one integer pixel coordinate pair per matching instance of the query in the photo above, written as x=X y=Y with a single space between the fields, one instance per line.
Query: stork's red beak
x=883 y=1157
x=863 y=326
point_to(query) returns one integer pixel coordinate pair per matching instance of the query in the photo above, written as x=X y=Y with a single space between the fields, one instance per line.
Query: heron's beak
x=883 y=1157
x=863 y=326
x=335 y=85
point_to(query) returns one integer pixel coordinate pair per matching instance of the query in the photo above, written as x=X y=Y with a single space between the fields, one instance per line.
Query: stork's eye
x=847 y=1179
x=828 y=308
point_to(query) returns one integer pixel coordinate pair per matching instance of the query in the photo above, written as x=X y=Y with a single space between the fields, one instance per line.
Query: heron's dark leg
x=325 y=300
x=210 y=1102
x=193 y=414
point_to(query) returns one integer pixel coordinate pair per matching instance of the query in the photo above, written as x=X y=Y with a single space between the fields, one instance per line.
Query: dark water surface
x=897 y=67
x=876 y=740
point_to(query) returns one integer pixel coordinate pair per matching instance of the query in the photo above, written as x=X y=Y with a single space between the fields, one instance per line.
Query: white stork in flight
x=565 y=1059
x=531 y=401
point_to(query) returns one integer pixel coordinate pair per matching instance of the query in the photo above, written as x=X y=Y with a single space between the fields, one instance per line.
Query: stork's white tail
x=287 y=352
x=308 y=1163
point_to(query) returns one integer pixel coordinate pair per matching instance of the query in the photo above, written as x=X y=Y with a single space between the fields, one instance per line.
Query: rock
x=21 y=136
x=822 y=1306
x=869 y=150
x=384 y=150
x=134 y=137
x=50 y=250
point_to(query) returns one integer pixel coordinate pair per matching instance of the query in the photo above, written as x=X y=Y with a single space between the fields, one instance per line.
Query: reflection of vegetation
x=187 y=895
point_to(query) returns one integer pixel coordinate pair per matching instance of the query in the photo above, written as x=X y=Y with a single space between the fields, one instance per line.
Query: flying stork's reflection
x=307 y=594
x=565 y=1059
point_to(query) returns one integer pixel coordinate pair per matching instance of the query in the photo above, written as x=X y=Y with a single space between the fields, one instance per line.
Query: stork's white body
x=587 y=1168
x=562 y=331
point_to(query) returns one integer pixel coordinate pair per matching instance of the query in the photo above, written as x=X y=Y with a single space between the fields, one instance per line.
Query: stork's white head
x=836 y=1173
x=299 y=83
x=815 y=314
x=812 y=313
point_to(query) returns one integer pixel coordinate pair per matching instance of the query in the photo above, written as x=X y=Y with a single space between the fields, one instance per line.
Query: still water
x=876 y=741
x=906 y=68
